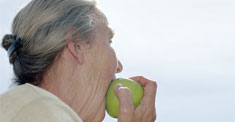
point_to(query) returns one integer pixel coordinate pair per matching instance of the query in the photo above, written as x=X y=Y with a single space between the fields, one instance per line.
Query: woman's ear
x=76 y=51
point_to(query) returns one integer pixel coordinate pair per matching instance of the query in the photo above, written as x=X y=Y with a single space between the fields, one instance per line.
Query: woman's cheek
x=113 y=66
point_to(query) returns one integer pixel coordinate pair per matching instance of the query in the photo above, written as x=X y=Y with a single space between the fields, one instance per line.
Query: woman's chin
x=101 y=114
x=102 y=117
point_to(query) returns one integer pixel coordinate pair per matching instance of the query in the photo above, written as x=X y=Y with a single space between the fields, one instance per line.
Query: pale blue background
x=187 y=46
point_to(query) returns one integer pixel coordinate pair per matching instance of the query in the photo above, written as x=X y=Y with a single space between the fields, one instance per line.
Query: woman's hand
x=145 y=112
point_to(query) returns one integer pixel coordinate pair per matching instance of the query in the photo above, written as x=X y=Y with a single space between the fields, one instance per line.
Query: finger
x=150 y=88
x=126 y=107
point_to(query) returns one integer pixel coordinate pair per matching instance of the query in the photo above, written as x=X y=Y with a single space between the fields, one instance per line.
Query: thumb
x=126 y=107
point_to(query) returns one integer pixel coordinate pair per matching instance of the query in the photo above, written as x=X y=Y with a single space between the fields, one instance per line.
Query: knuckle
x=150 y=111
x=154 y=84
x=140 y=77
x=126 y=110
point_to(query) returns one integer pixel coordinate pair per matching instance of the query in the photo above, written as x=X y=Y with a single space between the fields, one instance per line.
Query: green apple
x=112 y=102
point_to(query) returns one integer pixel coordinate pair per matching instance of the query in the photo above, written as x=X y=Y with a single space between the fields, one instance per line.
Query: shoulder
x=28 y=103
x=45 y=109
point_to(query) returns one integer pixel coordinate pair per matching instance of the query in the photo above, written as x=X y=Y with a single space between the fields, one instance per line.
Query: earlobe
x=75 y=50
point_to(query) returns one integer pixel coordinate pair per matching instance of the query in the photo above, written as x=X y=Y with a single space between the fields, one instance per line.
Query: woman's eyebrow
x=111 y=33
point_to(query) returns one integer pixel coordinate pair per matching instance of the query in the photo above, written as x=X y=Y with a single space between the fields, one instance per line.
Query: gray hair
x=43 y=26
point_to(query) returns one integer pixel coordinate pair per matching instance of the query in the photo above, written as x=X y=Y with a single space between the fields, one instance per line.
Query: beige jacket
x=28 y=103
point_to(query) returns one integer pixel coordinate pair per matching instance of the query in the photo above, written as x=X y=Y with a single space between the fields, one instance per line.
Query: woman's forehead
x=104 y=28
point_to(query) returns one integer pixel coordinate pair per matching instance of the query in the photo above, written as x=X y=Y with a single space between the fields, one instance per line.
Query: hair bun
x=7 y=40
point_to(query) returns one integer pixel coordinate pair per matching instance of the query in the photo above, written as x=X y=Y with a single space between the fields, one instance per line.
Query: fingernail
x=117 y=86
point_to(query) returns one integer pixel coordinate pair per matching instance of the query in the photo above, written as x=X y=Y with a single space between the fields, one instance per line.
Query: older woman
x=63 y=64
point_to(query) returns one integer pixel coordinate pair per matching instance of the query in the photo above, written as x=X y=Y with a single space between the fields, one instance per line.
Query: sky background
x=187 y=46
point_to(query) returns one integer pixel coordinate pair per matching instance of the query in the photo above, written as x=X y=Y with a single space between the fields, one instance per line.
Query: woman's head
x=66 y=50
x=43 y=26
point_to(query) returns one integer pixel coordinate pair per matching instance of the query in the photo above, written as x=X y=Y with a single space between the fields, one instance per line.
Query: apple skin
x=112 y=102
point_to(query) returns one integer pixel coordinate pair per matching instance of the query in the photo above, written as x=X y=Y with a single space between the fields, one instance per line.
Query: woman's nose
x=119 y=67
